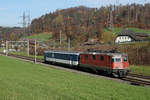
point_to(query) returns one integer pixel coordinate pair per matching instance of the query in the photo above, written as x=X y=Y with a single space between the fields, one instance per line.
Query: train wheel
x=121 y=74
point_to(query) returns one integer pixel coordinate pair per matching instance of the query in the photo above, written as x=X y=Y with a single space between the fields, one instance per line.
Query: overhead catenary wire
x=7 y=46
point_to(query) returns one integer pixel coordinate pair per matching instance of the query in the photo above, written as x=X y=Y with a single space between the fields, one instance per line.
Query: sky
x=12 y=10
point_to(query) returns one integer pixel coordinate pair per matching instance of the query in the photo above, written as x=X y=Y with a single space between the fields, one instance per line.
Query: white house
x=120 y=39
x=130 y=36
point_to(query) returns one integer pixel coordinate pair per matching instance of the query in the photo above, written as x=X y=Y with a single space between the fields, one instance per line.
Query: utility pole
x=28 y=48
x=118 y=5
x=136 y=16
x=88 y=22
x=6 y=48
x=67 y=30
x=128 y=12
x=25 y=22
x=35 y=52
x=29 y=21
x=145 y=1
x=60 y=36
x=69 y=44
x=111 y=18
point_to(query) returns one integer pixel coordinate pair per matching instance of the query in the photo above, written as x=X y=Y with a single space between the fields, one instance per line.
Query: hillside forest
x=82 y=23
x=79 y=24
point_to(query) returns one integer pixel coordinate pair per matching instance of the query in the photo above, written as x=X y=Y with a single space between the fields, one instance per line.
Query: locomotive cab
x=120 y=66
x=117 y=63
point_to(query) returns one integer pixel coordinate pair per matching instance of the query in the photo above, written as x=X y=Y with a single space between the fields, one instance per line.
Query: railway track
x=24 y=57
x=133 y=79
x=27 y=58
x=139 y=76
x=137 y=81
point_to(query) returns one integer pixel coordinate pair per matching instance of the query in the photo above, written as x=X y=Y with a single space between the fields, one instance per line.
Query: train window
x=49 y=55
x=53 y=55
x=101 y=58
x=86 y=56
x=125 y=59
x=94 y=57
x=116 y=59
x=113 y=60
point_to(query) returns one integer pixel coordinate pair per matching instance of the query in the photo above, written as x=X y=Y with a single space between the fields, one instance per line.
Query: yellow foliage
x=108 y=37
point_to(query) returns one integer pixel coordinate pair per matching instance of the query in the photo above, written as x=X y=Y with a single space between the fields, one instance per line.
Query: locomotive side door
x=53 y=57
x=109 y=61
x=71 y=60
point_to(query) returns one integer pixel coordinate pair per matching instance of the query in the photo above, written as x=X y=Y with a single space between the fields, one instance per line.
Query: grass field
x=118 y=30
x=40 y=36
x=143 y=70
x=25 y=54
x=1 y=49
x=26 y=81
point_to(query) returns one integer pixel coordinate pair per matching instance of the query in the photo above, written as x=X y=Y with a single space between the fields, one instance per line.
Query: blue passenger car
x=68 y=58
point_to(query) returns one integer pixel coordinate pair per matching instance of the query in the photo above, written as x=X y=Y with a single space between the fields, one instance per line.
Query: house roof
x=133 y=34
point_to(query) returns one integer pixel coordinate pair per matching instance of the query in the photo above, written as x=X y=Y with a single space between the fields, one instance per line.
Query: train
x=114 y=64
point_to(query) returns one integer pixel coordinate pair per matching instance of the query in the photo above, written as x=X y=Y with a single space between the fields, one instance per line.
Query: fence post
x=35 y=53
x=28 y=48
x=6 y=48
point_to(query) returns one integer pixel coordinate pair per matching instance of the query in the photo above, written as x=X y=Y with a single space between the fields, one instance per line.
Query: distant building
x=91 y=42
x=130 y=36
x=2 y=43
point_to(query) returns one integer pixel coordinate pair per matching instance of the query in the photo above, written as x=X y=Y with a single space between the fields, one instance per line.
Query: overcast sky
x=11 y=10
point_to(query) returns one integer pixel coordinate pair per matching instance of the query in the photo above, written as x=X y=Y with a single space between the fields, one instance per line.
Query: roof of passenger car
x=63 y=52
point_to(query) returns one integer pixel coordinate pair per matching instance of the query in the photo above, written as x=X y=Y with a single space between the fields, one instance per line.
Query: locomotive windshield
x=116 y=59
x=125 y=59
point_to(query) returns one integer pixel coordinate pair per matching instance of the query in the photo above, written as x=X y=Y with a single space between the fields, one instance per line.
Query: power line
x=29 y=22
x=118 y=7
x=26 y=21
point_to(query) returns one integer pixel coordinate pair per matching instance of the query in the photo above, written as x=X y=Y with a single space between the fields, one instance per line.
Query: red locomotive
x=111 y=63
